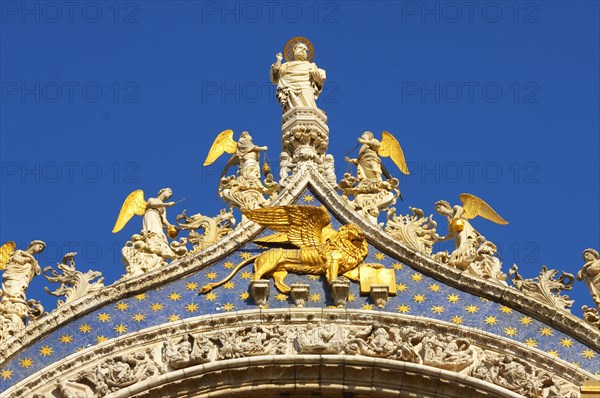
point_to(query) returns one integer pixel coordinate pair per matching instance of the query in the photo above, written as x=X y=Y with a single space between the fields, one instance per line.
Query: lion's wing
x=303 y=225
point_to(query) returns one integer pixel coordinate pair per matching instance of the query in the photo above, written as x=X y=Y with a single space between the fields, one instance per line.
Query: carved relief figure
x=285 y=167
x=187 y=352
x=320 y=339
x=299 y=81
x=447 y=352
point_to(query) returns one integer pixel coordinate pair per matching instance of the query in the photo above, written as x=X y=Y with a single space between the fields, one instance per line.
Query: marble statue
x=590 y=274
x=299 y=81
x=472 y=253
x=149 y=249
x=244 y=190
x=371 y=192
x=19 y=269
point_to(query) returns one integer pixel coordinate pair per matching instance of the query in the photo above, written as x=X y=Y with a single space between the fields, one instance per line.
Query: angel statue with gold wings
x=368 y=162
x=316 y=248
x=20 y=267
x=373 y=194
x=246 y=189
x=151 y=248
x=245 y=154
x=472 y=251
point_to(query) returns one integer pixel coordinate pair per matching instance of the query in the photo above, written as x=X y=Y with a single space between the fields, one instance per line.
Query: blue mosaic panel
x=417 y=295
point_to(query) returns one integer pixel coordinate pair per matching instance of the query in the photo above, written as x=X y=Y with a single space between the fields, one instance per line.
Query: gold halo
x=288 y=52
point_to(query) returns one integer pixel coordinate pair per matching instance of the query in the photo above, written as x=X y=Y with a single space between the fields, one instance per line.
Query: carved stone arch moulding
x=307 y=176
x=318 y=350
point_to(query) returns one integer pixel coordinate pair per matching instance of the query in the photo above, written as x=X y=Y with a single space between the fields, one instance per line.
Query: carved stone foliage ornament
x=546 y=287
x=415 y=230
x=473 y=253
x=370 y=193
x=244 y=190
x=20 y=267
x=74 y=284
x=203 y=230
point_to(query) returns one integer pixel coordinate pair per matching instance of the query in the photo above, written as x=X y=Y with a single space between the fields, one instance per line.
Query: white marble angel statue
x=147 y=250
x=368 y=162
x=245 y=154
x=19 y=269
x=153 y=210
x=245 y=190
x=299 y=81
x=371 y=192
x=466 y=239
x=590 y=274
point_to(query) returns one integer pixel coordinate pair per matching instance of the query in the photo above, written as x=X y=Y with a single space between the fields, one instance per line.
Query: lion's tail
x=210 y=286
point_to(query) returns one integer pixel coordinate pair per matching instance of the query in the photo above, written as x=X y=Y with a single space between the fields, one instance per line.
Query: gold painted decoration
x=6 y=251
x=474 y=206
x=133 y=204
x=288 y=52
x=390 y=147
x=223 y=143
x=376 y=274
x=304 y=227
x=172 y=231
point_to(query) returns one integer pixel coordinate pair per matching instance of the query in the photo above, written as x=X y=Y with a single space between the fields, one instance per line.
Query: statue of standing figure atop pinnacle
x=299 y=81
x=304 y=131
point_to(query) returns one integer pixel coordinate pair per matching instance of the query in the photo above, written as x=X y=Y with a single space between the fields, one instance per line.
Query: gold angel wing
x=223 y=143
x=133 y=204
x=475 y=206
x=390 y=147
x=6 y=251
x=303 y=225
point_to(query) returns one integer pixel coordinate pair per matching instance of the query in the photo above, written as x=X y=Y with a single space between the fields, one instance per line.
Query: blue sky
x=498 y=99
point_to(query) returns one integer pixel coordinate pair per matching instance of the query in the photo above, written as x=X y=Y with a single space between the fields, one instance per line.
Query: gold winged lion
x=321 y=250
